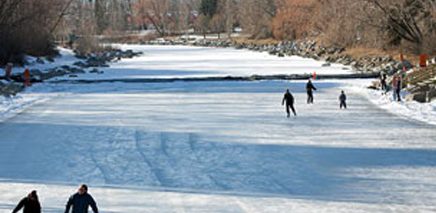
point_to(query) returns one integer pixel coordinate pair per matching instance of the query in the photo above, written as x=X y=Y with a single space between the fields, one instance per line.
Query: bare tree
x=256 y=17
x=154 y=12
x=21 y=18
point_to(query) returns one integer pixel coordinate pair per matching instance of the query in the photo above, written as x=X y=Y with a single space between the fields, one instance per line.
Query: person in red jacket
x=26 y=76
x=29 y=204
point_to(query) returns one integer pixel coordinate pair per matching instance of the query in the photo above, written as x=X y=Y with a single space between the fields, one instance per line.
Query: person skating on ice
x=310 y=88
x=288 y=101
x=343 y=100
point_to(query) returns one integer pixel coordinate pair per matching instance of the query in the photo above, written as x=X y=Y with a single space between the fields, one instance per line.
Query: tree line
x=31 y=26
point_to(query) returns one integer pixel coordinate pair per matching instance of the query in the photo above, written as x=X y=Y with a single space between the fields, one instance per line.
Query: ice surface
x=215 y=146
x=202 y=139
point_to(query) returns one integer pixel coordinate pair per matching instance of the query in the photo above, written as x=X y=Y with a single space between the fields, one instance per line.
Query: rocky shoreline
x=364 y=67
x=85 y=63
x=306 y=49
x=367 y=65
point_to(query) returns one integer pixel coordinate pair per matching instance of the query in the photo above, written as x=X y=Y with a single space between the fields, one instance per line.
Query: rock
x=65 y=67
x=373 y=87
x=35 y=72
x=272 y=52
x=405 y=63
x=81 y=56
x=96 y=62
x=94 y=71
x=36 y=75
x=281 y=54
x=75 y=70
x=326 y=65
x=431 y=95
x=420 y=97
x=11 y=89
x=73 y=76
x=40 y=61
x=49 y=59
x=422 y=94
x=80 y=64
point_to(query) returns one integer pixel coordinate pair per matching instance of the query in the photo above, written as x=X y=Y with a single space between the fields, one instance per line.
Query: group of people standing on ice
x=397 y=85
x=289 y=100
x=78 y=202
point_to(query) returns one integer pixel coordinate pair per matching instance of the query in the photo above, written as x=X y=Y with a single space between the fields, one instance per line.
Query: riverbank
x=370 y=63
x=68 y=63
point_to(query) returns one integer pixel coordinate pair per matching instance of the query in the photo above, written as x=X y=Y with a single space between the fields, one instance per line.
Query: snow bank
x=66 y=57
x=424 y=112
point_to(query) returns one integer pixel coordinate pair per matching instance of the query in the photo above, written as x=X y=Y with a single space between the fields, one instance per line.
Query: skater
x=394 y=87
x=384 y=86
x=398 y=88
x=29 y=204
x=289 y=99
x=310 y=88
x=81 y=201
x=343 y=100
x=8 y=71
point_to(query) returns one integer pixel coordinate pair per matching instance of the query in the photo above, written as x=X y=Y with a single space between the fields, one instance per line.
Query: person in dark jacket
x=343 y=100
x=309 y=89
x=289 y=99
x=383 y=83
x=398 y=88
x=29 y=204
x=81 y=201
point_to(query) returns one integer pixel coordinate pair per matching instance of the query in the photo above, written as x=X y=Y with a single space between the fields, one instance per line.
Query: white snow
x=10 y=106
x=187 y=61
x=66 y=57
x=120 y=200
x=215 y=146
x=424 y=112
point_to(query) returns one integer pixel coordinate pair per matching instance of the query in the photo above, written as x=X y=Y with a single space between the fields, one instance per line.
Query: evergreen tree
x=208 y=7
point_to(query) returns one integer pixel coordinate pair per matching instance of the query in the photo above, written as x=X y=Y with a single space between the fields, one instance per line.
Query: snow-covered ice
x=209 y=138
x=187 y=61
x=216 y=147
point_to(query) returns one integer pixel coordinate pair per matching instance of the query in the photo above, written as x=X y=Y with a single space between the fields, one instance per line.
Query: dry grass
x=359 y=52
x=269 y=41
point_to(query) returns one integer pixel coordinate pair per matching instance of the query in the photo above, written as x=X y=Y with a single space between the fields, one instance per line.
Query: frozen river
x=216 y=147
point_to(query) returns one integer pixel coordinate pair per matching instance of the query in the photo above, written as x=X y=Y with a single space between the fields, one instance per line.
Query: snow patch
x=424 y=112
